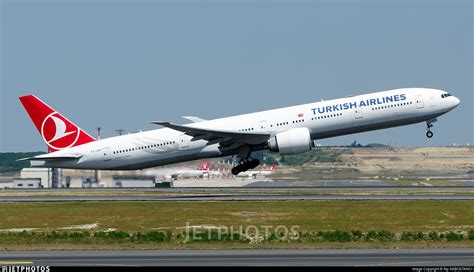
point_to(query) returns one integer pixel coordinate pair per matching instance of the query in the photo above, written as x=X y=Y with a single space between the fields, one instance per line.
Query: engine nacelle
x=293 y=141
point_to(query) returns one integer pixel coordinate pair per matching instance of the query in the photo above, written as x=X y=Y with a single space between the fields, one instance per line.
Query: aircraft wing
x=214 y=135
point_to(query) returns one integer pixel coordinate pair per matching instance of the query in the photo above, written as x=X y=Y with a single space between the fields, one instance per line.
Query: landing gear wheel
x=429 y=125
x=239 y=168
x=235 y=171
x=253 y=163
x=245 y=166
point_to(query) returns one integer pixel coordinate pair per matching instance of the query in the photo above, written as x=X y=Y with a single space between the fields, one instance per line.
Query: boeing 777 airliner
x=289 y=130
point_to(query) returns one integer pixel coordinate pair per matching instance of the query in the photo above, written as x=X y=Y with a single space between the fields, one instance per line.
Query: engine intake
x=293 y=141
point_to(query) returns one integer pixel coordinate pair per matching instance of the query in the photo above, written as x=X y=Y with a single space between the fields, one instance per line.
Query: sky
x=121 y=64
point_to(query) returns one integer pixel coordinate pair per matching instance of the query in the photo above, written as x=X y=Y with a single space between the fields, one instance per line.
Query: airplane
x=200 y=172
x=254 y=174
x=289 y=130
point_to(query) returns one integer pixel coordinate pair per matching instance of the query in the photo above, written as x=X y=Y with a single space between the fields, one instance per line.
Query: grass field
x=309 y=216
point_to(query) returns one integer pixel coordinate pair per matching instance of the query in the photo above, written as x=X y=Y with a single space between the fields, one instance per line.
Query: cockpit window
x=445 y=95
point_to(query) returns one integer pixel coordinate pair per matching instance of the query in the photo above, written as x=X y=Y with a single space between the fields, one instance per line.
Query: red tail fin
x=57 y=131
x=204 y=166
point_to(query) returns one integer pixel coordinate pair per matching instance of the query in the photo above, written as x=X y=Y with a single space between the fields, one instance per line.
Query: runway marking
x=11 y=263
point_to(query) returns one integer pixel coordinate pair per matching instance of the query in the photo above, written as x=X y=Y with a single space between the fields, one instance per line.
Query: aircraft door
x=265 y=127
x=358 y=113
x=106 y=154
x=183 y=141
x=419 y=102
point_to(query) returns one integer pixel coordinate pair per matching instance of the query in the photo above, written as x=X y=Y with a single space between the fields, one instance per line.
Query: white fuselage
x=323 y=119
x=254 y=174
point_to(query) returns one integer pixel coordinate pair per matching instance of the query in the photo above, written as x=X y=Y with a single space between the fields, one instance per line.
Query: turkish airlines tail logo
x=57 y=131
x=204 y=166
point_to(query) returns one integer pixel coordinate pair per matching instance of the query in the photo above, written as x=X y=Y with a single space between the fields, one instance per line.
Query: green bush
x=371 y=235
x=233 y=236
x=412 y=236
x=419 y=236
x=26 y=237
x=118 y=234
x=308 y=236
x=100 y=234
x=56 y=235
x=158 y=236
x=78 y=235
x=407 y=236
x=385 y=235
x=453 y=236
x=274 y=236
x=433 y=235
x=336 y=236
x=381 y=235
x=212 y=236
x=112 y=235
x=357 y=234
x=471 y=235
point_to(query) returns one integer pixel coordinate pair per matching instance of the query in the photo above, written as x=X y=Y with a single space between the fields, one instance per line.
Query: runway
x=228 y=197
x=263 y=257
x=267 y=188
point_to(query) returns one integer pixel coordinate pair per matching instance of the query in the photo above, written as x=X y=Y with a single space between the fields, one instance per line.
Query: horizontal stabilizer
x=51 y=158
x=194 y=119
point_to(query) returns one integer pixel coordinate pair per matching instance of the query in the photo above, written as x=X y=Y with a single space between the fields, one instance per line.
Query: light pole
x=97 y=172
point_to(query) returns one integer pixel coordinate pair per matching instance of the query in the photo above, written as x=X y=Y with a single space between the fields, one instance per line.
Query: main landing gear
x=244 y=166
x=429 y=125
x=246 y=162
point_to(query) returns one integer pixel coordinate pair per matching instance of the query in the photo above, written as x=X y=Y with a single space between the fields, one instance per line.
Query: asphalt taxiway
x=263 y=257
x=238 y=188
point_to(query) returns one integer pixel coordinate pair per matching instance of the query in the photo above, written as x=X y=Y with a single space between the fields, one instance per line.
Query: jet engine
x=293 y=141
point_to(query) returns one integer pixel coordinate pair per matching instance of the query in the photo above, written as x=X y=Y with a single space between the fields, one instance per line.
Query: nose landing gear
x=429 y=125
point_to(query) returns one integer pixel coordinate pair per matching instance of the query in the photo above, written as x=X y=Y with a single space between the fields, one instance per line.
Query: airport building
x=27 y=183
x=133 y=181
x=45 y=176
x=6 y=184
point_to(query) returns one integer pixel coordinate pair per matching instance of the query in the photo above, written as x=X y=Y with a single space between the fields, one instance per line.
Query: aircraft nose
x=456 y=101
